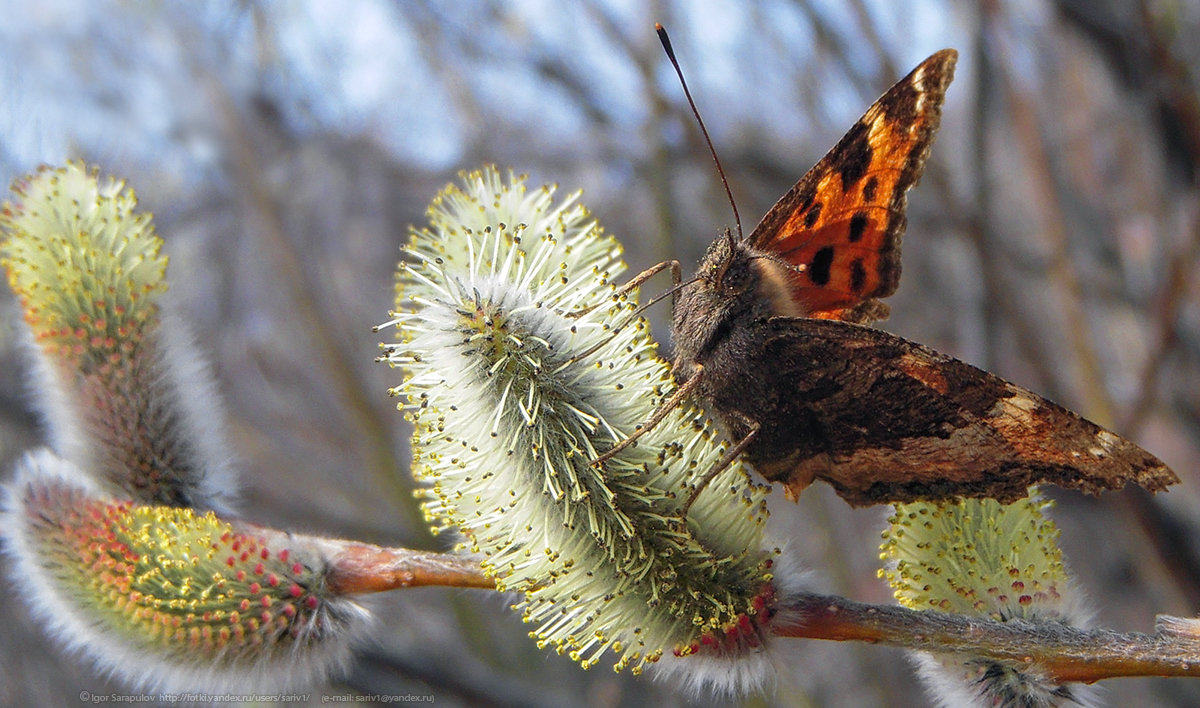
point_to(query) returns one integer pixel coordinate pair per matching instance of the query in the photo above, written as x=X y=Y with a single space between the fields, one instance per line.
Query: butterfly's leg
x=681 y=394
x=676 y=275
x=637 y=280
x=723 y=463
x=676 y=278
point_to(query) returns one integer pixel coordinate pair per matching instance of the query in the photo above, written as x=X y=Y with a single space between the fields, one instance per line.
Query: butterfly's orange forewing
x=840 y=226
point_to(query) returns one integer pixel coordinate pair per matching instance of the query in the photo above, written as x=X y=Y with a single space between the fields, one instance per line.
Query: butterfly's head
x=733 y=287
x=726 y=267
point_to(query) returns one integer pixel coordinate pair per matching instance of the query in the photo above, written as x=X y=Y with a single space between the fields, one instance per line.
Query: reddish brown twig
x=1065 y=653
x=356 y=568
x=363 y=568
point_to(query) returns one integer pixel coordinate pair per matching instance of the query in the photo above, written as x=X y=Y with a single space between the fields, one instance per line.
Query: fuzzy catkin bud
x=979 y=557
x=167 y=598
x=524 y=363
x=124 y=393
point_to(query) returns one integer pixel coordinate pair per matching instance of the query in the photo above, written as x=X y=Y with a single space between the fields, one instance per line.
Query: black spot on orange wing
x=868 y=190
x=885 y=153
x=853 y=154
x=811 y=216
x=858 y=275
x=818 y=267
x=858 y=226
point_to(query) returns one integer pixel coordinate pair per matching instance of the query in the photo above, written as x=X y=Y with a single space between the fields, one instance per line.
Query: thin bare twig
x=1063 y=652
x=358 y=568
x=363 y=568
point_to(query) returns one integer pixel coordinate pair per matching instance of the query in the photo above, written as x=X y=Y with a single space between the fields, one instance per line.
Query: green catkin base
x=511 y=396
x=976 y=557
x=979 y=557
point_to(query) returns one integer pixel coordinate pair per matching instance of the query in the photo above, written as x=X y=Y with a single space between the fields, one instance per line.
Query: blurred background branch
x=285 y=147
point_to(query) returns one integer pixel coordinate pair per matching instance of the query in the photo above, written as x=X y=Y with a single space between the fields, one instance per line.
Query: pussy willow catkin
x=523 y=363
x=980 y=557
x=170 y=599
x=112 y=537
x=125 y=395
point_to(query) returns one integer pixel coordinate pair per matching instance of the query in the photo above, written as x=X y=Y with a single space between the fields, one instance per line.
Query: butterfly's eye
x=734 y=275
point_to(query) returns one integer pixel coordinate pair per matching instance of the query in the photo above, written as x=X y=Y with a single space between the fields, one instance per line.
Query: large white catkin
x=523 y=364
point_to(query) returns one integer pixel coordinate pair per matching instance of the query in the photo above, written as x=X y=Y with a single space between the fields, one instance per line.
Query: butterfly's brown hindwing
x=841 y=224
x=886 y=420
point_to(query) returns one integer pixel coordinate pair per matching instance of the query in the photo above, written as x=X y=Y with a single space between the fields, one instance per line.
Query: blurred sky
x=85 y=77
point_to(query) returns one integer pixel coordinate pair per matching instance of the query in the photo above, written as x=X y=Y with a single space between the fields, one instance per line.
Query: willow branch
x=357 y=568
x=362 y=568
x=1065 y=653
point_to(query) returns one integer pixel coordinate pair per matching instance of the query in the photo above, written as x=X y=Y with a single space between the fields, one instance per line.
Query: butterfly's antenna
x=666 y=42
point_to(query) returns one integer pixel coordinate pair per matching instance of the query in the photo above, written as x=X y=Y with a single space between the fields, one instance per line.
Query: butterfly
x=773 y=337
